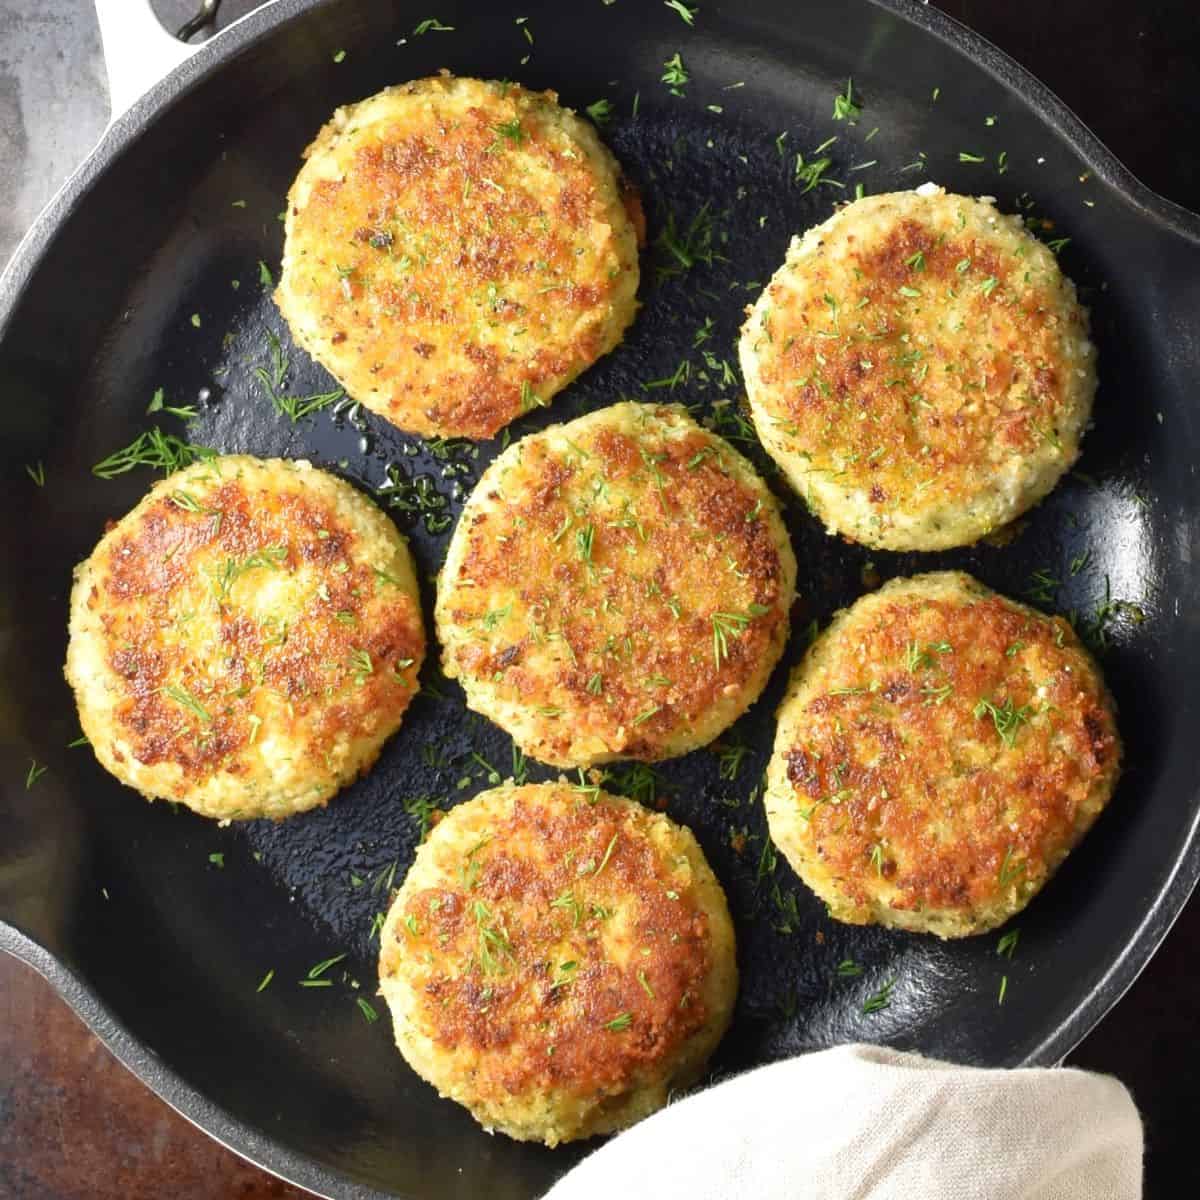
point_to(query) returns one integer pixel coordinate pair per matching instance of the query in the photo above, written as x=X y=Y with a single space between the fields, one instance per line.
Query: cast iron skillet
x=120 y=903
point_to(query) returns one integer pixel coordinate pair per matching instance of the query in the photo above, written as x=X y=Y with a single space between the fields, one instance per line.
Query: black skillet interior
x=157 y=281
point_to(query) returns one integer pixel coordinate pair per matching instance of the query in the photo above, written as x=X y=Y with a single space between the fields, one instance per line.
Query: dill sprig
x=185 y=699
x=731 y=624
x=1005 y=717
x=154 y=448
x=686 y=14
x=675 y=75
x=421 y=809
x=273 y=377
x=600 y=111
x=682 y=247
x=879 y=1000
x=494 y=946
x=845 y=107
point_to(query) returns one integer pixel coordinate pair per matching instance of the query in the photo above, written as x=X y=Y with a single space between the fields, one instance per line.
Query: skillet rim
x=216 y=1122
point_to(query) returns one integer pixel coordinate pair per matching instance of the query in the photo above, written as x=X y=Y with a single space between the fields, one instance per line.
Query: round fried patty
x=246 y=639
x=940 y=751
x=617 y=587
x=557 y=960
x=920 y=369
x=457 y=252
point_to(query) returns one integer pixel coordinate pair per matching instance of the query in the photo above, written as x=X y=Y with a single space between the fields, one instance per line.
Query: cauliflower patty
x=617 y=587
x=558 y=960
x=246 y=639
x=940 y=751
x=921 y=370
x=457 y=252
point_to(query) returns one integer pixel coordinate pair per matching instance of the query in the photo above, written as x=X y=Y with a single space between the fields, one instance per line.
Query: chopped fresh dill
x=421 y=809
x=730 y=755
x=879 y=1000
x=686 y=14
x=675 y=75
x=845 y=107
x=568 y=903
x=1007 y=719
x=273 y=376
x=811 y=172
x=731 y=624
x=607 y=854
x=510 y=131
x=494 y=946
x=158 y=404
x=361 y=666
x=519 y=770
x=600 y=111
x=1008 y=870
x=384 y=879
x=672 y=381
x=163 y=451
x=638 y=781
x=1043 y=587
x=584 y=542
x=681 y=247
x=185 y=699
x=317 y=971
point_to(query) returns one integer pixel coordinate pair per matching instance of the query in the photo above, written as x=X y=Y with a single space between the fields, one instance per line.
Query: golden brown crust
x=623 y=579
x=457 y=252
x=235 y=608
x=556 y=1024
x=925 y=364
x=940 y=752
x=559 y=959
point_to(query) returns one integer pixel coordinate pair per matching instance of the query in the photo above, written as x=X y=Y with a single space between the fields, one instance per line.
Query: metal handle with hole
x=138 y=51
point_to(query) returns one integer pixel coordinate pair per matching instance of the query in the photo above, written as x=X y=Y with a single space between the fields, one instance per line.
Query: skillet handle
x=138 y=51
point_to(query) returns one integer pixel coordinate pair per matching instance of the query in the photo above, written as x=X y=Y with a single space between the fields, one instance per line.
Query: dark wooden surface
x=74 y=1124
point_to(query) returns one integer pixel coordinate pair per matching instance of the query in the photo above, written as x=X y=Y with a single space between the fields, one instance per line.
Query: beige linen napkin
x=867 y=1123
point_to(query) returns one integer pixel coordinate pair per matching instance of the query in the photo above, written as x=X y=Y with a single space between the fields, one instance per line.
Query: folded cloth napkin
x=867 y=1123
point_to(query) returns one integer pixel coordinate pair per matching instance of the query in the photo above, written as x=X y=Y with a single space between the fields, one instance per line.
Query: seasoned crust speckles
x=245 y=640
x=557 y=960
x=940 y=751
x=457 y=252
x=920 y=368
x=617 y=587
